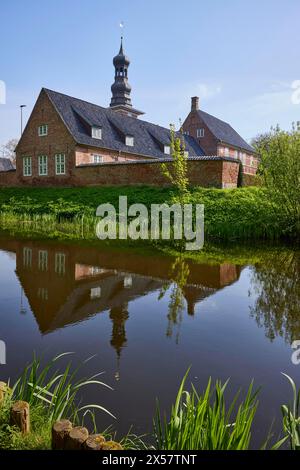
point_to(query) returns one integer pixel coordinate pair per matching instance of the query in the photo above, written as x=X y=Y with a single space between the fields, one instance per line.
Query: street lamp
x=21 y=108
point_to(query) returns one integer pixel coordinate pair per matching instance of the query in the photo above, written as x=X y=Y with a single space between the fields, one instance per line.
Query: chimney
x=195 y=103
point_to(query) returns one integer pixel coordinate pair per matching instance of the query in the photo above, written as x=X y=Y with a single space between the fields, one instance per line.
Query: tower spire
x=121 y=89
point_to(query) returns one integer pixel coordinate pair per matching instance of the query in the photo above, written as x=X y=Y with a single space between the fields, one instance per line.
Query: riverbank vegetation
x=197 y=420
x=232 y=214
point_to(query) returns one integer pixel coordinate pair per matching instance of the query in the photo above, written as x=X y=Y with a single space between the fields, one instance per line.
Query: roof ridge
x=104 y=108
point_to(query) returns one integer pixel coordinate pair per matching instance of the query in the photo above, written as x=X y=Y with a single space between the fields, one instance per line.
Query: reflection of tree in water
x=178 y=274
x=277 y=307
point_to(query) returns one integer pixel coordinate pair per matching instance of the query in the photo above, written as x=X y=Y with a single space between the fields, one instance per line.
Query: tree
x=280 y=172
x=176 y=171
x=8 y=150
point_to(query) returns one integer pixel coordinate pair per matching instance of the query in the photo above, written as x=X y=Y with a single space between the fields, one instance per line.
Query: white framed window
x=60 y=263
x=60 y=164
x=43 y=130
x=43 y=165
x=27 y=257
x=43 y=260
x=167 y=149
x=226 y=151
x=127 y=282
x=27 y=166
x=42 y=293
x=95 y=293
x=200 y=132
x=129 y=141
x=96 y=132
x=97 y=158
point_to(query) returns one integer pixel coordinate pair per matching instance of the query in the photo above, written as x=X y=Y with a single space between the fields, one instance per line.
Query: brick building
x=70 y=142
x=217 y=137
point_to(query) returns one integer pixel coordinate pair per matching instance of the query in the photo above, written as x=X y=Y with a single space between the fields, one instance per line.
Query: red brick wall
x=207 y=173
x=211 y=146
x=208 y=143
x=84 y=155
x=8 y=178
x=58 y=140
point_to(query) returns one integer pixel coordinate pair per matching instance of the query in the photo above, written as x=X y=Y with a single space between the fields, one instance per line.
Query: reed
x=56 y=391
x=203 y=422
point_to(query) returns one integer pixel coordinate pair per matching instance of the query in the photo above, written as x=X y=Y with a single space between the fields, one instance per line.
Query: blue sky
x=239 y=56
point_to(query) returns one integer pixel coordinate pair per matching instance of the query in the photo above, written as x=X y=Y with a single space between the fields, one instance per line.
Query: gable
x=224 y=132
x=43 y=113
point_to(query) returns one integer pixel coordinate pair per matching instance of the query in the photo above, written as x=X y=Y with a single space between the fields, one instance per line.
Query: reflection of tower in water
x=118 y=316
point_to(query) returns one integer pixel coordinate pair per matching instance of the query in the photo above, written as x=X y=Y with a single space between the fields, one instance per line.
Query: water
x=126 y=308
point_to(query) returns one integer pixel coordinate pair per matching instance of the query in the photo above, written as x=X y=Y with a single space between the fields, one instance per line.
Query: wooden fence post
x=19 y=416
x=111 y=445
x=76 y=438
x=60 y=433
x=94 y=442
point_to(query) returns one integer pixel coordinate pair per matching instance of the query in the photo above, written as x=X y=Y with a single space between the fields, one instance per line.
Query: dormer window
x=129 y=141
x=43 y=130
x=167 y=149
x=96 y=132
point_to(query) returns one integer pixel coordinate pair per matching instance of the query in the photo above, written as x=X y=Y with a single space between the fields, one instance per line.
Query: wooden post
x=76 y=438
x=94 y=442
x=19 y=416
x=111 y=445
x=60 y=433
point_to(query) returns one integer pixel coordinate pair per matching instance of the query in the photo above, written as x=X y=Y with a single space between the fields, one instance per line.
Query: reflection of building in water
x=67 y=284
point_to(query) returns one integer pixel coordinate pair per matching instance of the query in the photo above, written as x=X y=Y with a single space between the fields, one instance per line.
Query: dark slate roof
x=224 y=132
x=149 y=139
x=6 y=164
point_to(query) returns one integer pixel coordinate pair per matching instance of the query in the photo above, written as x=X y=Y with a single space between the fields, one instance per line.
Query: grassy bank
x=232 y=214
x=198 y=420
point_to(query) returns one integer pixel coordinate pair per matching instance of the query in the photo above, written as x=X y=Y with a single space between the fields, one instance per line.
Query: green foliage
x=176 y=172
x=12 y=439
x=230 y=214
x=202 y=422
x=57 y=392
x=291 y=417
x=280 y=170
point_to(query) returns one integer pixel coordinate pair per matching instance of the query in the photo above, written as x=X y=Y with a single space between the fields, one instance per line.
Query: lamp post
x=21 y=108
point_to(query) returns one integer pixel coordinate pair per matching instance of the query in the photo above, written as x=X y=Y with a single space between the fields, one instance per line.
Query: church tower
x=121 y=100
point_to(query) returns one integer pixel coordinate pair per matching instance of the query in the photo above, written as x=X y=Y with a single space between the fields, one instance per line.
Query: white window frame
x=43 y=165
x=97 y=158
x=97 y=132
x=43 y=260
x=226 y=151
x=167 y=149
x=200 y=132
x=60 y=164
x=43 y=130
x=27 y=257
x=27 y=166
x=129 y=141
x=60 y=263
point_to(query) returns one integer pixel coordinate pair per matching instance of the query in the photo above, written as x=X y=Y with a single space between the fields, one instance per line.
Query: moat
x=147 y=318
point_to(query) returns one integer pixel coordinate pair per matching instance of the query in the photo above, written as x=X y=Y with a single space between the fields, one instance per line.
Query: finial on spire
x=121 y=46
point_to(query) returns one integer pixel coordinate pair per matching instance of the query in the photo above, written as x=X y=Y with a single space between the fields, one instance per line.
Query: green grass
x=232 y=214
x=202 y=422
